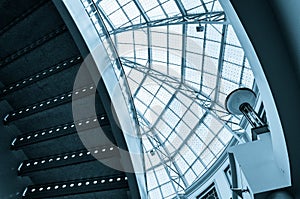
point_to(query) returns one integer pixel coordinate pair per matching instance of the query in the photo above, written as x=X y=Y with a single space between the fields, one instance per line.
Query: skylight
x=179 y=77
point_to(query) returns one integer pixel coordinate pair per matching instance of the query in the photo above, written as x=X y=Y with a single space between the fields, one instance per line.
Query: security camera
x=200 y=28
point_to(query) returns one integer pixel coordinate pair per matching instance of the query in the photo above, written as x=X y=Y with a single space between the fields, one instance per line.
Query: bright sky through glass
x=179 y=78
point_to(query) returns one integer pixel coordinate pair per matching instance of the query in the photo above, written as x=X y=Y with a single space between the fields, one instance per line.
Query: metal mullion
x=230 y=80
x=142 y=102
x=220 y=61
x=233 y=63
x=170 y=167
x=202 y=67
x=219 y=137
x=215 y=136
x=115 y=39
x=169 y=157
x=104 y=16
x=154 y=97
x=233 y=45
x=197 y=158
x=179 y=172
x=165 y=109
x=209 y=144
x=121 y=7
x=204 y=6
x=206 y=148
x=191 y=165
x=158 y=185
x=174 y=80
x=190 y=134
x=134 y=47
x=168 y=173
x=160 y=4
x=141 y=9
x=175 y=20
x=168 y=50
x=228 y=128
x=183 y=52
x=181 y=7
x=142 y=82
x=181 y=120
x=213 y=4
x=243 y=68
x=205 y=108
x=140 y=68
x=149 y=43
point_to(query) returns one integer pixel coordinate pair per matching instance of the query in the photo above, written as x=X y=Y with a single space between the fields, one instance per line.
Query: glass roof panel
x=179 y=77
x=109 y=6
x=191 y=4
x=118 y=18
x=156 y=13
x=131 y=10
x=170 y=8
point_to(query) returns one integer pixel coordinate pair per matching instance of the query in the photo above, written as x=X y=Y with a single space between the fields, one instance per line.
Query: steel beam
x=181 y=7
x=74 y=187
x=106 y=18
x=183 y=53
x=142 y=11
x=202 y=100
x=204 y=6
x=10 y=58
x=54 y=132
x=221 y=61
x=49 y=103
x=67 y=159
x=40 y=75
x=205 y=18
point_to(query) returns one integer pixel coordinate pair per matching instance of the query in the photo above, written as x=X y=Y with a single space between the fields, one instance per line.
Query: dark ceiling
x=39 y=61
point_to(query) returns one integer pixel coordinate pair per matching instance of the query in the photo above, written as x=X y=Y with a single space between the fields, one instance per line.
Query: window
x=209 y=193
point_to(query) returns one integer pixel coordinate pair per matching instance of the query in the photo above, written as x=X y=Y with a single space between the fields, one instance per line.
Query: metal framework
x=49 y=103
x=221 y=58
x=54 y=132
x=203 y=100
x=74 y=187
x=113 y=55
x=10 y=58
x=70 y=158
x=207 y=90
x=40 y=75
x=205 y=18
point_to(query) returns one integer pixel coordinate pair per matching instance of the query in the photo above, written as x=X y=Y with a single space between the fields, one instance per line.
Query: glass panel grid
x=165 y=109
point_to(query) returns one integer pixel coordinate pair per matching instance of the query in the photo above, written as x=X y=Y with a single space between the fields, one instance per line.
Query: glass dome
x=181 y=59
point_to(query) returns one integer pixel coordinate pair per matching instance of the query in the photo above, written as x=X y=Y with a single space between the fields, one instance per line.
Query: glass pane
x=167 y=189
x=190 y=176
x=155 y=194
x=151 y=179
x=162 y=175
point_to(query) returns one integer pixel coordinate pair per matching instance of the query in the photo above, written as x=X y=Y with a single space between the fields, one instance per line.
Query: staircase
x=45 y=152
